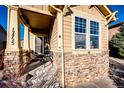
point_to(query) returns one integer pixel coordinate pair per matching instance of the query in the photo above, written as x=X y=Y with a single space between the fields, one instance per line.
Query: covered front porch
x=39 y=28
x=41 y=34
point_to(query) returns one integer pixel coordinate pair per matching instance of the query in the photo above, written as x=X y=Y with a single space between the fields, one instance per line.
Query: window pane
x=80 y=25
x=94 y=41
x=94 y=27
x=80 y=41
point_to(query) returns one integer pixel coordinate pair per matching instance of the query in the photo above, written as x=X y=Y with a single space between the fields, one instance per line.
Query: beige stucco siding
x=113 y=31
x=42 y=7
x=88 y=13
x=87 y=9
x=54 y=36
x=104 y=32
x=67 y=30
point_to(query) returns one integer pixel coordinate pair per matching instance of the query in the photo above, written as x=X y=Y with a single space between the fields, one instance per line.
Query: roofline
x=108 y=9
x=1 y=27
x=116 y=25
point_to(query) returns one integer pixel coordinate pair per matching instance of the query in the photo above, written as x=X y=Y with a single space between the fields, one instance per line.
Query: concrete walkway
x=117 y=60
x=117 y=71
x=1 y=75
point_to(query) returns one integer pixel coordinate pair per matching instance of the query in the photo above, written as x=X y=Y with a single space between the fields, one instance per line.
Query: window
x=80 y=33
x=84 y=39
x=94 y=34
x=21 y=27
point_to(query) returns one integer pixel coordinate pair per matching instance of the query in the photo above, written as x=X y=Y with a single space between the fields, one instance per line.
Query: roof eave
x=107 y=11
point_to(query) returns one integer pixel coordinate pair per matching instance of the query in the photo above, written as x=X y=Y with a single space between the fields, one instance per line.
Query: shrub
x=116 y=45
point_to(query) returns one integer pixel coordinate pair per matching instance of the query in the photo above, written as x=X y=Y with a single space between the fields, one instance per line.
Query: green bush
x=117 y=43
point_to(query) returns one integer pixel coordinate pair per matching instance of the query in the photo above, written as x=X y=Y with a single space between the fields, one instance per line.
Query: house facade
x=77 y=36
x=114 y=29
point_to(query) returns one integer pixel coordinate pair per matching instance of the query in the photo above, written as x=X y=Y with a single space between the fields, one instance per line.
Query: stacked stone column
x=16 y=58
x=12 y=58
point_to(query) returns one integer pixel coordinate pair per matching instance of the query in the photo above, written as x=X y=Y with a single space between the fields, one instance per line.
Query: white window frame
x=73 y=32
x=87 y=49
x=80 y=33
x=92 y=19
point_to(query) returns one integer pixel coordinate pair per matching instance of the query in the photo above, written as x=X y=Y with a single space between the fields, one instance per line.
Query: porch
x=40 y=36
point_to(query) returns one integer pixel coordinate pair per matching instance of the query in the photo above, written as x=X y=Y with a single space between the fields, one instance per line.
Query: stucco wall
x=53 y=36
x=113 y=31
x=82 y=68
x=42 y=7
x=88 y=13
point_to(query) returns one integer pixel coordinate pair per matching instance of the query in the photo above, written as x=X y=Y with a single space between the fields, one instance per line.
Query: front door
x=40 y=44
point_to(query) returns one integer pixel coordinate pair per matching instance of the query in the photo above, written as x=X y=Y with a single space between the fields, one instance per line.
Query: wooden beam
x=99 y=11
x=35 y=10
x=113 y=14
x=58 y=10
x=22 y=20
x=108 y=15
x=113 y=18
x=21 y=17
x=65 y=9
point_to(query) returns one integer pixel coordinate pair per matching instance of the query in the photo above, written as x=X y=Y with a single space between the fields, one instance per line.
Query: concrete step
x=42 y=76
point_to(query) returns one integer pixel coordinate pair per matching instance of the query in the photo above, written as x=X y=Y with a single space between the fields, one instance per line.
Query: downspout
x=62 y=49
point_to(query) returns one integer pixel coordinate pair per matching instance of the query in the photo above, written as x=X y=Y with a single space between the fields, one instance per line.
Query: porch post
x=32 y=42
x=26 y=38
x=61 y=45
x=12 y=52
x=13 y=29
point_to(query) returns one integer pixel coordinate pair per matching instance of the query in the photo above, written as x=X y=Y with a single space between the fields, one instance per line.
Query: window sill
x=85 y=51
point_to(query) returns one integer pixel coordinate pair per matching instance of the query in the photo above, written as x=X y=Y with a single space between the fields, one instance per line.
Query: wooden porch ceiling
x=37 y=20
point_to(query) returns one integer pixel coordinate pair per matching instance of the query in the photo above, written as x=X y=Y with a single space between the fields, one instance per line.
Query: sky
x=120 y=14
x=3 y=20
x=3 y=17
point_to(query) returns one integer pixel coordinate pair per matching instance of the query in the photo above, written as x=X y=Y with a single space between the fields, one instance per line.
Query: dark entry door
x=39 y=45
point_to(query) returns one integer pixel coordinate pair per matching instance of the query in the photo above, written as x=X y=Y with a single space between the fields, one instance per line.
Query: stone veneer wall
x=82 y=68
x=57 y=62
x=15 y=63
x=79 y=68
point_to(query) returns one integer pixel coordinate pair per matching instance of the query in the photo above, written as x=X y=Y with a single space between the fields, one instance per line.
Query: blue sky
x=3 y=16
x=120 y=14
x=3 y=20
